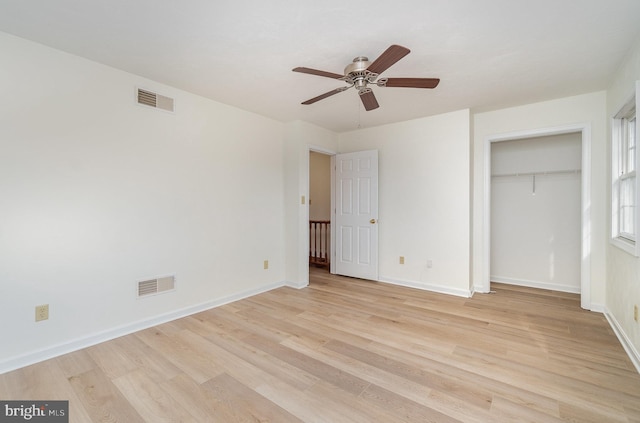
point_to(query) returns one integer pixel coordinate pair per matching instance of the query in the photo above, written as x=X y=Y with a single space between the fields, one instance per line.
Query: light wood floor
x=345 y=350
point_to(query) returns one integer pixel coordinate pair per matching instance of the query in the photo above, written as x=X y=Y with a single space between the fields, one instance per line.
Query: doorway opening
x=353 y=225
x=320 y=200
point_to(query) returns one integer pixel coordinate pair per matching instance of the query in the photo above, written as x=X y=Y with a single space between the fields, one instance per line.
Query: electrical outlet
x=401 y=259
x=429 y=263
x=265 y=265
x=42 y=312
x=635 y=313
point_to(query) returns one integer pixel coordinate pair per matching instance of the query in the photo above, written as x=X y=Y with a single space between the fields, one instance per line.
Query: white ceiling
x=488 y=53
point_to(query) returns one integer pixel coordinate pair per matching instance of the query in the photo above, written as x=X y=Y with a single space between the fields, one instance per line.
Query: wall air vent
x=156 y=286
x=157 y=101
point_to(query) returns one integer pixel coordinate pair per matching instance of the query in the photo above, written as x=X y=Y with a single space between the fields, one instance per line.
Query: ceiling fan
x=362 y=72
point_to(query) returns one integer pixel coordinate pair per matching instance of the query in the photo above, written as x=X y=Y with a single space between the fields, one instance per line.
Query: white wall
x=424 y=194
x=319 y=186
x=535 y=223
x=299 y=138
x=588 y=110
x=99 y=193
x=623 y=269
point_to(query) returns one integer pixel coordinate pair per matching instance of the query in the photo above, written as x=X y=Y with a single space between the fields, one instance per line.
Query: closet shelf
x=549 y=172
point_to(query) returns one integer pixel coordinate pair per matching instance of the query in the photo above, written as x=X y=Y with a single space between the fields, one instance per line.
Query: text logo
x=34 y=411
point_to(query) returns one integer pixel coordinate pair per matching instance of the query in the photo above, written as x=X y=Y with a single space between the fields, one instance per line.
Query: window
x=624 y=190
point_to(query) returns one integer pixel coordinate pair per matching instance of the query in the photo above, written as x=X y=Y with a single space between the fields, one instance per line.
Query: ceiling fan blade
x=369 y=100
x=318 y=72
x=388 y=58
x=412 y=82
x=325 y=95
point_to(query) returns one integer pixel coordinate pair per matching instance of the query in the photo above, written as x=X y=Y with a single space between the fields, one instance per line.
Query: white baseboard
x=33 y=357
x=297 y=285
x=624 y=339
x=536 y=284
x=441 y=289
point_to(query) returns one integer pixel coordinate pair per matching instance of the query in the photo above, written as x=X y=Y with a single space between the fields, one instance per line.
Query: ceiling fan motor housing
x=359 y=64
x=357 y=74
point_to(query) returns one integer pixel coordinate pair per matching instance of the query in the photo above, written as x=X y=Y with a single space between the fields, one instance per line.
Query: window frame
x=625 y=192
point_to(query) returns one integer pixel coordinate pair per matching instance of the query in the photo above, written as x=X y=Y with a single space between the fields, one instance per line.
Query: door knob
x=372 y=221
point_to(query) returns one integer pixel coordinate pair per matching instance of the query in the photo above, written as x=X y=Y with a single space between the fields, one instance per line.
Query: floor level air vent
x=156 y=286
x=151 y=99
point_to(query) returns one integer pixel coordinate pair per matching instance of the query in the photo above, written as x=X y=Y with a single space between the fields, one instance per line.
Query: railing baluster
x=319 y=242
x=326 y=242
x=310 y=240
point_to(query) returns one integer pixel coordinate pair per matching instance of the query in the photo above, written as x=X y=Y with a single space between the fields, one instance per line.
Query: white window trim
x=631 y=246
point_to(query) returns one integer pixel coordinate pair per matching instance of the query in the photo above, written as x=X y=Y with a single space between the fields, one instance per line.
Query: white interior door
x=356 y=217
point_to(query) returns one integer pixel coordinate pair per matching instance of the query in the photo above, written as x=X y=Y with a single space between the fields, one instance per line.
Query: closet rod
x=550 y=172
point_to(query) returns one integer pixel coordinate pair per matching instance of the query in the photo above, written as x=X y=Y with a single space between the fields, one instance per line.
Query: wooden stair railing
x=319 y=233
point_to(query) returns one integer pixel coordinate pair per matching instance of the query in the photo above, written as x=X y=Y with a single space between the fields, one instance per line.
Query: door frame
x=585 y=204
x=305 y=234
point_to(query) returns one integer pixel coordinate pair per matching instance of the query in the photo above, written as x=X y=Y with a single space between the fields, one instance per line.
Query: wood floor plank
x=298 y=402
x=277 y=367
x=246 y=404
x=75 y=363
x=147 y=358
x=505 y=410
x=352 y=408
x=201 y=403
x=150 y=400
x=196 y=363
x=339 y=378
x=493 y=382
x=566 y=389
x=42 y=381
x=112 y=359
x=404 y=408
x=456 y=386
x=312 y=338
x=348 y=350
x=102 y=400
x=419 y=393
x=584 y=413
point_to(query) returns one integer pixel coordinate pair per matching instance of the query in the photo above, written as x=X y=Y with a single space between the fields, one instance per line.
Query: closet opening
x=535 y=212
x=545 y=247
